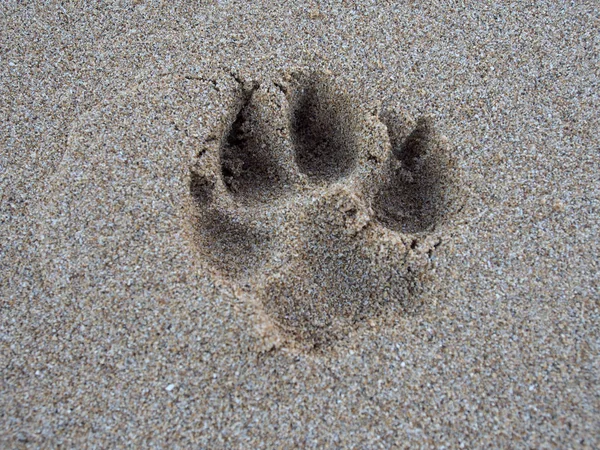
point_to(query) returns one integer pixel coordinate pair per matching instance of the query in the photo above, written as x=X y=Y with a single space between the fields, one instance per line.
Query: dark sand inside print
x=328 y=212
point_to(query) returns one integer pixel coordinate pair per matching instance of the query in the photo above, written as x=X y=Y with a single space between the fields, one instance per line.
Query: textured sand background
x=114 y=333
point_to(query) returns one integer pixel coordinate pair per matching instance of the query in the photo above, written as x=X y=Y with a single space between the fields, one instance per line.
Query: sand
x=324 y=224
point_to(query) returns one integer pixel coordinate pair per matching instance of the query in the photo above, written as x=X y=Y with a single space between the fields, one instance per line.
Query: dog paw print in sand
x=325 y=211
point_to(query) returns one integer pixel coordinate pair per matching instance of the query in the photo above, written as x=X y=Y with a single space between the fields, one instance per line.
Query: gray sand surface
x=138 y=306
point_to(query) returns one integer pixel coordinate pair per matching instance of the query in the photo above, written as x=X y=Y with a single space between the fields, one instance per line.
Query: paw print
x=326 y=211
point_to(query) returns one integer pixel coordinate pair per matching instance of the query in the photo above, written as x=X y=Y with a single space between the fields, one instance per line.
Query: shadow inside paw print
x=319 y=125
x=327 y=212
x=422 y=189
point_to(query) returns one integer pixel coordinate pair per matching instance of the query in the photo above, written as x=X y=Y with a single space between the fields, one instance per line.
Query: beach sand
x=310 y=224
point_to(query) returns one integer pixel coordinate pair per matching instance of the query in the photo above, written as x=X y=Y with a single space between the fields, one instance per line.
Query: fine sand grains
x=239 y=225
